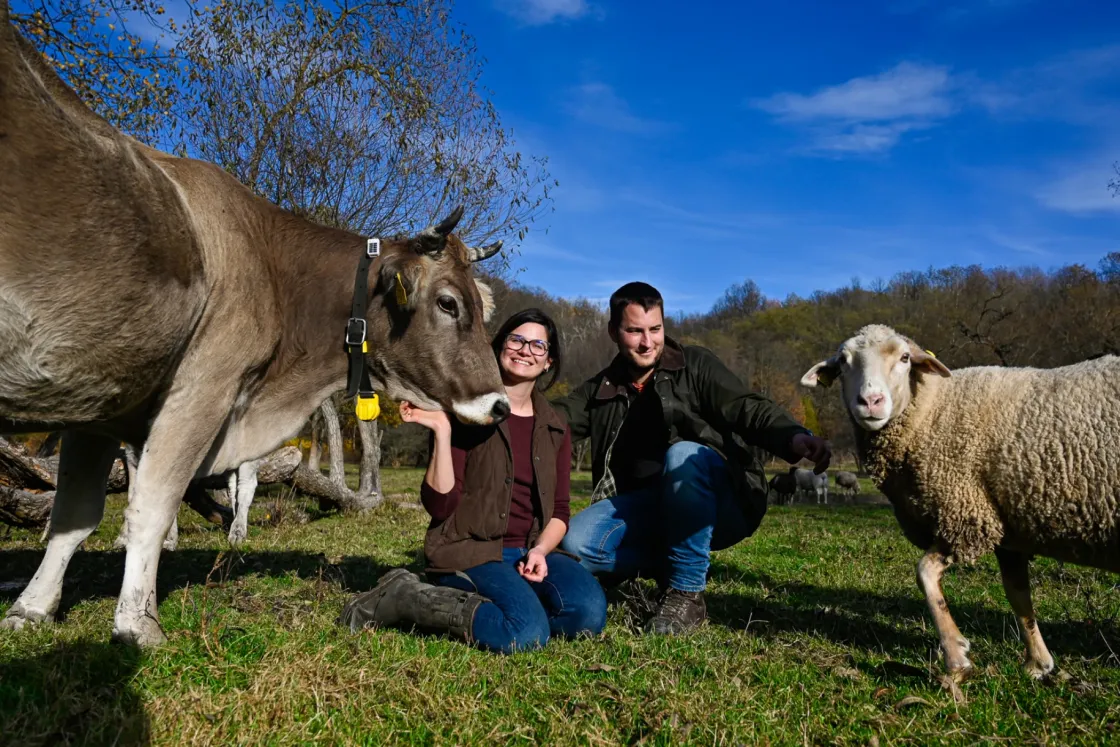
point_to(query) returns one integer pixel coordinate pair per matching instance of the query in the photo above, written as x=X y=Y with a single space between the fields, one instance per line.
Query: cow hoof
x=1039 y=670
x=146 y=634
x=236 y=536
x=19 y=618
x=961 y=672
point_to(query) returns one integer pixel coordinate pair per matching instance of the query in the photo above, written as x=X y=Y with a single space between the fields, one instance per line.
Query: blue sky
x=804 y=144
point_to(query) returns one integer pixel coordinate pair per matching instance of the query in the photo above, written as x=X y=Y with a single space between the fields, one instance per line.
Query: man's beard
x=640 y=369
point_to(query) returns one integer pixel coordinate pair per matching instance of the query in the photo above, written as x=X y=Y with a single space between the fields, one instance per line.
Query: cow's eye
x=905 y=357
x=448 y=306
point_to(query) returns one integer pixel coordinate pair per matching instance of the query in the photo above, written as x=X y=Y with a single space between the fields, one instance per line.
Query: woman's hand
x=435 y=420
x=534 y=567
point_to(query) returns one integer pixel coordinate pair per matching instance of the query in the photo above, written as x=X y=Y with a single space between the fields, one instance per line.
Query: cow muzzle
x=485 y=410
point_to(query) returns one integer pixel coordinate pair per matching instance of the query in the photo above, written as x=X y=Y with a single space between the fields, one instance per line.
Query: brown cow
x=156 y=300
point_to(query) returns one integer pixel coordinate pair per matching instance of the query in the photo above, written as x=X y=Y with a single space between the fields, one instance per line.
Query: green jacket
x=702 y=401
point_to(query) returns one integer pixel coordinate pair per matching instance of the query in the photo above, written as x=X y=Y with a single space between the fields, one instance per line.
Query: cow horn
x=477 y=254
x=445 y=226
x=434 y=236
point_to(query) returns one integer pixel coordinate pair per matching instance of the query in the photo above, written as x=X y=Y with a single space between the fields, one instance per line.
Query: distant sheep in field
x=1019 y=461
x=846 y=482
x=784 y=487
x=811 y=484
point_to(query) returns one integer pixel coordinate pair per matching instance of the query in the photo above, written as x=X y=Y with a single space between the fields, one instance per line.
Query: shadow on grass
x=842 y=615
x=100 y=573
x=76 y=693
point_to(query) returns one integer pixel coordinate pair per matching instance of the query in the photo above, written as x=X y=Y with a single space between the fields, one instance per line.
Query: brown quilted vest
x=473 y=534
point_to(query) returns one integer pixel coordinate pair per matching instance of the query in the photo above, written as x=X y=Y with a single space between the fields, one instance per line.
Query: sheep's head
x=875 y=369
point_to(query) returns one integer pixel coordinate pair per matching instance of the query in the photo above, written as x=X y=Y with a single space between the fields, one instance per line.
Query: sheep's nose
x=871 y=400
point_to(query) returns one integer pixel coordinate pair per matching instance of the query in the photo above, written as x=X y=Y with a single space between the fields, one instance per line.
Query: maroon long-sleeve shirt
x=525 y=503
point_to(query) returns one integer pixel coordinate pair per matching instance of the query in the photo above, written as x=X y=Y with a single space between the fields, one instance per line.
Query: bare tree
x=110 y=53
x=365 y=115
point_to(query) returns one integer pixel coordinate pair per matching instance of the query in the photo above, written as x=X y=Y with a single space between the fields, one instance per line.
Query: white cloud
x=907 y=91
x=598 y=104
x=543 y=12
x=1081 y=189
x=869 y=114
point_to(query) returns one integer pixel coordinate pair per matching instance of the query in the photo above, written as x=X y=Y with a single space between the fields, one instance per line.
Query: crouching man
x=676 y=443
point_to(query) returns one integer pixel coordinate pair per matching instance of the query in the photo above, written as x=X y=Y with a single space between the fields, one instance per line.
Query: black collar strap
x=357 y=345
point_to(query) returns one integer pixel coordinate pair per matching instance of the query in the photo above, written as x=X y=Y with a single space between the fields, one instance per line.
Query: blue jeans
x=523 y=614
x=666 y=531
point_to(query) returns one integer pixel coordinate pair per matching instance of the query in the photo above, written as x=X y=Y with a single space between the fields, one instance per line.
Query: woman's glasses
x=536 y=347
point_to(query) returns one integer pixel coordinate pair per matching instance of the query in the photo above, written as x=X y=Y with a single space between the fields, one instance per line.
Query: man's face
x=640 y=336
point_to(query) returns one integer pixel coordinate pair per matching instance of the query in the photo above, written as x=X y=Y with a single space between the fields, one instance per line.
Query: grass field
x=817 y=635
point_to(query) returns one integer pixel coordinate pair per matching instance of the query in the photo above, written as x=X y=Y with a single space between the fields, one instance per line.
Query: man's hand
x=816 y=450
x=534 y=567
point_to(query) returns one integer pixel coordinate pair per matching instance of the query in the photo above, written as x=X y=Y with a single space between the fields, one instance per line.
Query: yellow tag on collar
x=402 y=294
x=368 y=408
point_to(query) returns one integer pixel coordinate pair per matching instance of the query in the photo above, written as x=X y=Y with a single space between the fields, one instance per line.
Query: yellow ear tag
x=368 y=407
x=930 y=354
x=402 y=294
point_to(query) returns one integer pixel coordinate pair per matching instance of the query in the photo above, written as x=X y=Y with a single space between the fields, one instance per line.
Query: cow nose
x=871 y=400
x=499 y=411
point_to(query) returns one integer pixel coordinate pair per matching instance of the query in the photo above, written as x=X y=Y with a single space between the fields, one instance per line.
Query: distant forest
x=968 y=316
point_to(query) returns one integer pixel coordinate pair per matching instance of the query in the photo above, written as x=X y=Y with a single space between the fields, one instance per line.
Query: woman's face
x=525 y=354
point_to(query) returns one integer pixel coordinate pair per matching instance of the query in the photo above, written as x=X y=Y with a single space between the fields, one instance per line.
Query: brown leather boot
x=679 y=612
x=401 y=599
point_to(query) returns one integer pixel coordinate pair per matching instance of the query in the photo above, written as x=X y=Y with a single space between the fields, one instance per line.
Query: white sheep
x=1021 y=461
x=810 y=483
x=847 y=482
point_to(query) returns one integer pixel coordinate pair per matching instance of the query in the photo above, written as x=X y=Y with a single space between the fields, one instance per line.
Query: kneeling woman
x=498 y=496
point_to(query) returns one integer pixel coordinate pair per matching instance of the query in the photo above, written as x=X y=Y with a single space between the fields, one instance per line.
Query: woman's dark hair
x=534 y=316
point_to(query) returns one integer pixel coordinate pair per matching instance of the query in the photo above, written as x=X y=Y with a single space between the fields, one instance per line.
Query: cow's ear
x=487 y=296
x=398 y=281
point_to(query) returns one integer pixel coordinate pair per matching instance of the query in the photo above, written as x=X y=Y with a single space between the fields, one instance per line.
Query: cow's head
x=428 y=341
x=876 y=369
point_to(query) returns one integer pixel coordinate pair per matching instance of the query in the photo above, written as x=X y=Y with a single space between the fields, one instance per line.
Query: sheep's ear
x=926 y=362
x=822 y=374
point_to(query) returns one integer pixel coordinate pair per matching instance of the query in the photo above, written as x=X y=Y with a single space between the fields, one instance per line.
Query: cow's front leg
x=242 y=488
x=177 y=444
x=954 y=645
x=1014 y=568
x=79 y=503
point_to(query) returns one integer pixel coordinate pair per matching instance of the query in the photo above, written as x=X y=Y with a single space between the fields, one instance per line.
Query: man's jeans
x=521 y=615
x=668 y=531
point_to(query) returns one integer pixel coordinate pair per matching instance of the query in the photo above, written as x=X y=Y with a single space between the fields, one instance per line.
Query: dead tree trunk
x=27 y=486
x=369 y=473
x=330 y=495
x=315 y=453
x=49 y=445
x=334 y=443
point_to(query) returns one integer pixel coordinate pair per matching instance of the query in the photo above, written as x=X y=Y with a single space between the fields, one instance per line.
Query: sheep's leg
x=1014 y=568
x=955 y=646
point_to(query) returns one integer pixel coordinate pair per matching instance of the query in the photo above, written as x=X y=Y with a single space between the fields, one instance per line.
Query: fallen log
x=330 y=494
x=27 y=486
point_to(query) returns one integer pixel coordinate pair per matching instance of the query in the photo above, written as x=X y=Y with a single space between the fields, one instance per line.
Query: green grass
x=818 y=635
